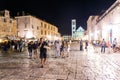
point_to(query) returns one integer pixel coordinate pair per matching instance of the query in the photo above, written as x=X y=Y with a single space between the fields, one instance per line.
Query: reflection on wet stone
x=79 y=66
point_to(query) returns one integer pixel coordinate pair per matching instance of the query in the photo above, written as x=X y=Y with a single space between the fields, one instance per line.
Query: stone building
x=92 y=28
x=29 y=26
x=7 y=25
x=106 y=25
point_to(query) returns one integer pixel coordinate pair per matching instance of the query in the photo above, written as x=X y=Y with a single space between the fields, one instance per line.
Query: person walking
x=81 y=45
x=114 y=44
x=103 y=45
x=30 y=47
x=35 y=46
x=62 y=49
x=20 y=45
x=43 y=51
x=5 y=47
x=86 y=45
x=57 y=49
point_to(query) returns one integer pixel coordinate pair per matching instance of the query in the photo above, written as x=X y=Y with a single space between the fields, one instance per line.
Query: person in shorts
x=43 y=51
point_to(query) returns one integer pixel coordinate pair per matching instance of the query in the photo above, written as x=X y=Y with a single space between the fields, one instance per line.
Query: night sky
x=58 y=12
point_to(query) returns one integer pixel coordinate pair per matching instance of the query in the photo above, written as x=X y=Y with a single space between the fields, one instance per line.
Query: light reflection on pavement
x=79 y=66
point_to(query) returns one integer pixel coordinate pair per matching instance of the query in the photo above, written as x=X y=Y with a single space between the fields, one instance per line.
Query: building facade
x=77 y=34
x=92 y=28
x=7 y=25
x=67 y=37
x=29 y=26
x=107 y=25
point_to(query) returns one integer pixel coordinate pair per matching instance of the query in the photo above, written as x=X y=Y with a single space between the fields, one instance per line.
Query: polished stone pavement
x=80 y=65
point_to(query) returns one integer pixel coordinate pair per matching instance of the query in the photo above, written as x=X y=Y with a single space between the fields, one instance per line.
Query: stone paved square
x=78 y=66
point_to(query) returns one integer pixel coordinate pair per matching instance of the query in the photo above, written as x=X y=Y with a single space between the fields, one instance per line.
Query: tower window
x=73 y=23
x=73 y=27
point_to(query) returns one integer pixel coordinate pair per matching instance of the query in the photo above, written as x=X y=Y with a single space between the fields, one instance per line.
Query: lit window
x=41 y=32
x=37 y=27
x=5 y=20
x=32 y=27
x=25 y=25
x=10 y=21
x=45 y=32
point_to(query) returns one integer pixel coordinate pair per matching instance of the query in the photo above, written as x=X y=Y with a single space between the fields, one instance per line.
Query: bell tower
x=73 y=27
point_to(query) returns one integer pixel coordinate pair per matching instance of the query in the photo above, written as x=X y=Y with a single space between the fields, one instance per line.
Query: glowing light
x=55 y=38
x=29 y=34
x=49 y=37
x=91 y=34
x=0 y=40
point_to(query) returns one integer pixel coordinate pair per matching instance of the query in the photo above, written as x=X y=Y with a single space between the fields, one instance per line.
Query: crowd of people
x=110 y=45
x=38 y=49
x=12 y=45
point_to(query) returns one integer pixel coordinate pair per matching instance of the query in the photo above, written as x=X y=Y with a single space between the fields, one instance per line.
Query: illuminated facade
x=7 y=25
x=29 y=26
x=92 y=28
x=107 y=25
x=77 y=34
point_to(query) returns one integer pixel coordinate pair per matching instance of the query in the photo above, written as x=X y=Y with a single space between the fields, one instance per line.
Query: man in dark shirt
x=43 y=51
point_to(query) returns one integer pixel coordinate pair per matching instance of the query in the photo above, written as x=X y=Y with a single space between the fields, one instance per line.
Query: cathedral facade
x=77 y=33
